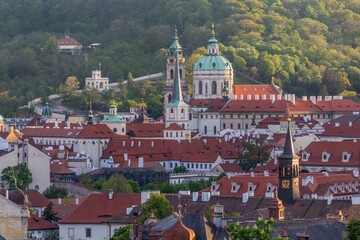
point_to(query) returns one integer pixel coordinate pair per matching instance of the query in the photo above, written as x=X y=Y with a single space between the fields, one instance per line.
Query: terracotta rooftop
x=68 y=41
x=102 y=208
x=255 y=89
x=36 y=223
x=174 y=127
x=145 y=130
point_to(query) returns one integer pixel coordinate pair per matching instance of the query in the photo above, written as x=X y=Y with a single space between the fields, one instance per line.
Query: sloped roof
x=338 y=105
x=35 y=122
x=97 y=131
x=231 y=167
x=256 y=106
x=37 y=199
x=174 y=127
x=102 y=208
x=255 y=89
x=37 y=223
x=145 y=130
x=336 y=150
x=342 y=130
x=68 y=41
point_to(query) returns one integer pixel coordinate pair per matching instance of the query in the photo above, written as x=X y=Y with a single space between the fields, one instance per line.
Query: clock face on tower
x=285 y=183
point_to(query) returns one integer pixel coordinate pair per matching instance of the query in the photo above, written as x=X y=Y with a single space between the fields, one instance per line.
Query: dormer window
x=233 y=188
x=213 y=187
x=346 y=157
x=325 y=157
x=305 y=156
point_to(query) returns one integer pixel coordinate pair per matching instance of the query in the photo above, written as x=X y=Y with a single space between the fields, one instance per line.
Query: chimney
x=292 y=98
x=59 y=200
x=56 y=124
x=218 y=214
x=245 y=197
x=264 y=97
x=319 y=98
x=304 y=98
x=195 y=196
x=133 y=226
x=123 y=145
x=77 y=201
x=7 y=194
x=313 y=99
x=68 y=124
x=141 y=162
x=111 y=194
x=140 y=235
x=249 y=97
x=329 y=198
x=205 y=196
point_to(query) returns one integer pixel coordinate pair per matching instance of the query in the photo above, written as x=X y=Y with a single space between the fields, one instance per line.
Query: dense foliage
x=308 y=47
x=252 y=154
x=122 y=233
x=354 y=230
x=54 y=192
x=261 y=231
x=23 y=176
x=157 y=203
x=49 y=214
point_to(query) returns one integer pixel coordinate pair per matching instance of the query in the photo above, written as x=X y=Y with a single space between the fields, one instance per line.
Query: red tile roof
x=304 y=106
x=256 y=106
x=174 y=127
x=196 y=150
x=66 y=41
x=102 y=208
x=59 y=168
x=338 y=105
x=217 y=105
x=342 y=130
x=336 y=150
x=36 y=223
x=65 y=125
x=231 y=167
x=145 y=130
x=35 y=122
x=37 y=199
x=50 y=132
x=254 y=89
x=200 y=102
x=97 y=131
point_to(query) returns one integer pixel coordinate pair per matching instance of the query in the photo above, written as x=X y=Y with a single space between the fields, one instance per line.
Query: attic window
x=214 y=65
x=200 y=65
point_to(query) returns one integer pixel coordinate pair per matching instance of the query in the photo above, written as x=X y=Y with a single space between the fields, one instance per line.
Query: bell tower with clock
x=175 y=48
x=289 y=189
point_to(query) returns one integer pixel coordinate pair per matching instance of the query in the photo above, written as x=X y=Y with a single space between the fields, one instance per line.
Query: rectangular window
x=188 y=165
x=246 y=116
x=247 y=126
x=197 y=165
x=239 y=126
x=200 y=165
x=88 y=232
x=224 y=125
x=192 y=165
x=70 y=232
x=170 y=165
x=205 y=165
x=175 y=164
x=231 y=126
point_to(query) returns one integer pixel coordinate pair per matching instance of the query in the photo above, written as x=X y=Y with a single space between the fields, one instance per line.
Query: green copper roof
x=90 y=118
x=112 y=118
x=112 y=106
x=213 y=62
x=175 y=46
x=46 y=110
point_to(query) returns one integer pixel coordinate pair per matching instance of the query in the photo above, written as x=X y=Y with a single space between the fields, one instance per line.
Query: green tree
x=135 y=186
x=150 y=186
x=122 y=233
x=354 y=230
x=86 y=180
x=54 y=192
x=118 y=184
x=167 y=188
x=51 y=46
x=261 y=231
x=180 y=169
x=159 y=204
x=49 y=214
x=22 y=174
x=71 y=84
x=99 y=183
x=252 y=154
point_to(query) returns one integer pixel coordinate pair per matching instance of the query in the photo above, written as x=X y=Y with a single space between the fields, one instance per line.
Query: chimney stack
x=111 y=194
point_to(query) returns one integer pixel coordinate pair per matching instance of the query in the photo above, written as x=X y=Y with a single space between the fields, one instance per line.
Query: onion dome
x=175 y=47
x=179 y=232
x=46 y=110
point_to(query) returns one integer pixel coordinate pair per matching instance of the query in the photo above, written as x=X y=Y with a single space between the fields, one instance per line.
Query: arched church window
x=182 y=110
x=172 y=110
x=200 y=87
x=169 y=98
x=200 y=65
x=213 y=88
x=205 y=130
x=214 y=65
x=214 y=130
x=206 y=88
x=171 y=73
x=101 y=85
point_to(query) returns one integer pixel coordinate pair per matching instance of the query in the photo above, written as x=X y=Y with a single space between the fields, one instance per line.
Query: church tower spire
x=175 y=49
x=289 y=189
x=177 y=111
x=90 y=116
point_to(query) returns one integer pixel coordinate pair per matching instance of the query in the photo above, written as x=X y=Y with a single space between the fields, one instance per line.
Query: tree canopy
x=23 y=176
x=252 y=154
x=159 y=204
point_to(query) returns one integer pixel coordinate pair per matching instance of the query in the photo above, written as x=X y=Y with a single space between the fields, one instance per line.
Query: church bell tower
x=289 y=189
x=175 y=48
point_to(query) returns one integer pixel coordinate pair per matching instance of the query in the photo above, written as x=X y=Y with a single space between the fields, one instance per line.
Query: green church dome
x=213 y=62
x=46 y=111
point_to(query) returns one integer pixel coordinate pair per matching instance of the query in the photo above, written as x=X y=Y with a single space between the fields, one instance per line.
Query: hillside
x=308 y=46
